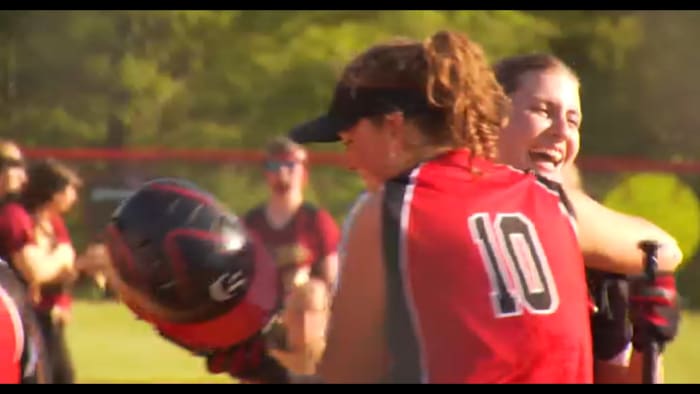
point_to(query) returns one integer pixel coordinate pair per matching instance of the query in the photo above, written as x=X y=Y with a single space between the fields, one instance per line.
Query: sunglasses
x=8 y=162
x=276 y=165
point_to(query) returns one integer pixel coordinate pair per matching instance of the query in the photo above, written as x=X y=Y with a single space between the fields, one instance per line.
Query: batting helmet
x=184 y=263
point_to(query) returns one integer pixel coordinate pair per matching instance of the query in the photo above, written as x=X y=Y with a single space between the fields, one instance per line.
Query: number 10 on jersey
x=516 y=264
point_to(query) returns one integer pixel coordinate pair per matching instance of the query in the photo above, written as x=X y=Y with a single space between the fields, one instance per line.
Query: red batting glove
x=654 y=310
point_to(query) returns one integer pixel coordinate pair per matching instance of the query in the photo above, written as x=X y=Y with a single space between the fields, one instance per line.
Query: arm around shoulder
x=609 y=239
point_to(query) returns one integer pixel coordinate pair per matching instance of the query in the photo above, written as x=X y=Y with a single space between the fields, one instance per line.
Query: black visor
x=351 y=104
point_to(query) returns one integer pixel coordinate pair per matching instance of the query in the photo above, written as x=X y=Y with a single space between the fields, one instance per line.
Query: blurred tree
x=98 y=77
x=235 y=78
x=664 y=84
x=600 y=46
x=206 y=78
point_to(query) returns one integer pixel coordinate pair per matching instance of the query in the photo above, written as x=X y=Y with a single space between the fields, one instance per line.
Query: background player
x=301 y=237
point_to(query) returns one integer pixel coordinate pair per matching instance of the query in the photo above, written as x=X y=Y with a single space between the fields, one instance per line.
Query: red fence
x=598 y=164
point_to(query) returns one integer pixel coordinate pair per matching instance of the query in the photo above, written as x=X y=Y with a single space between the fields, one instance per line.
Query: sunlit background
x=128 y=95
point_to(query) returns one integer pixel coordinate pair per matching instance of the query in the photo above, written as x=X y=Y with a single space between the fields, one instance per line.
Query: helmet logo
x=225 y=286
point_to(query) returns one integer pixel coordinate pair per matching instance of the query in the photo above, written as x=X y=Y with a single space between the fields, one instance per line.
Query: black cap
x=351 y=104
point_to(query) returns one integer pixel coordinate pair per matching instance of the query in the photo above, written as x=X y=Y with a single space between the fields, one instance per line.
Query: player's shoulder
x=12 y=213
x=312 y=209
x=13 y=208
x=255 y=213
x=58 y=221
x=368 y=214
x=556 y=189
x=390 y=199
x=545 y=186
x=357 y=203
x=315 y=212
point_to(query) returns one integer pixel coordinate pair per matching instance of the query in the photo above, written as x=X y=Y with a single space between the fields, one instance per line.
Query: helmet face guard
x=189 y=267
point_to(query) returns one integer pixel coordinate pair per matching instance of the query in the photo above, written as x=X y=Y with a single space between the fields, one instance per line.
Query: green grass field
x=682 y=358
x=110 y=346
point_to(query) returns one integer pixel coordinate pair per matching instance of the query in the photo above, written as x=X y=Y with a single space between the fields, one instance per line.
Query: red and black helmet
x=189 y=266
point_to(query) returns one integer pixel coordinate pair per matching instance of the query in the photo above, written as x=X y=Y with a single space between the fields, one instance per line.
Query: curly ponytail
x=460 y=80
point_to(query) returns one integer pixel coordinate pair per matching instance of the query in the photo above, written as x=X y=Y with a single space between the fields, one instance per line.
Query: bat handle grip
x=650 y=363
x=651 y=262
x=651 y=350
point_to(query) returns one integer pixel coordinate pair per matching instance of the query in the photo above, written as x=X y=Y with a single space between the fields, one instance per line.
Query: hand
x=303 y=361
x=294 y=277
x=654 y=310
x=66 y=253
x=248 y=361
x=68 y=276
x=100 y=280
x=94 y=260
x=60 y=315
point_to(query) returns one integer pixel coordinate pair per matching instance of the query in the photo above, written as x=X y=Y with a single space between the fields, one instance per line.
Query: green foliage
x=236 y=78
x=664 y=84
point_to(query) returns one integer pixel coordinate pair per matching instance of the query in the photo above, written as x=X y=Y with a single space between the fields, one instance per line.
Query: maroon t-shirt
x=309 y=236
x=16 y=231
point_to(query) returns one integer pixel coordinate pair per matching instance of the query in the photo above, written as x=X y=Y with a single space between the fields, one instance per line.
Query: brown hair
x=46 y=178
x=510 y=70
x=453 y=73
x=284 y=146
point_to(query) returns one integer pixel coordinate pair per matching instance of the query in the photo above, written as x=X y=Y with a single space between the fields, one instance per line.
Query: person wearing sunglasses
x=301 y=237
x=13 y=175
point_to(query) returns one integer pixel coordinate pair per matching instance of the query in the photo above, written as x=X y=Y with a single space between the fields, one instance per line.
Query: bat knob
x=650 y=248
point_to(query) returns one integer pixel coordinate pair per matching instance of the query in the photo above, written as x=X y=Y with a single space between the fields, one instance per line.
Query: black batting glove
x=610 y=327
